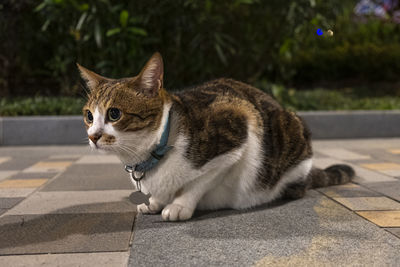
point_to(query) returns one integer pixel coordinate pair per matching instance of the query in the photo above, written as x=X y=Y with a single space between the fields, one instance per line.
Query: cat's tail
x=333 y=175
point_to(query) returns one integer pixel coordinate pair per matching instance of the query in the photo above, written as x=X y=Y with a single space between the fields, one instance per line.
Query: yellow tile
x=4 y=159
x=49 y=166
x=20 y=183
x=382 y=166
x=394 y=151
x=382 y=218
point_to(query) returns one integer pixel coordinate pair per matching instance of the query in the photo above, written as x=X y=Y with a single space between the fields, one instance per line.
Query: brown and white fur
x=233 y=145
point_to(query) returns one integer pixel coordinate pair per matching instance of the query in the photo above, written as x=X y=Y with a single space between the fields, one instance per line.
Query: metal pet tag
x=139 y=197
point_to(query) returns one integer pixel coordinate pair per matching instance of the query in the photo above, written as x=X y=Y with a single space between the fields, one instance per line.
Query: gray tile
x=82 y=177
x=390 y=189
x=106 y=201
x=348 y=190
x=395 y=231
x=36 y=175
x=8 y=203
x=63 y=233
x=19 y=164
x=98 y=259
x=380 y=154
x=311 y=231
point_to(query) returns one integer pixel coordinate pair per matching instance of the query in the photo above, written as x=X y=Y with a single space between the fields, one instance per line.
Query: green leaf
x=138 y=31
x=45 y=25
x=123 y=18
x=40 y=7
x=97 y=33
x=111 y=32
x=81 y=20
x=220 y=53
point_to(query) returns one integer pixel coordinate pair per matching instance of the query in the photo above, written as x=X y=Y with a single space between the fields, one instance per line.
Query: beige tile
x=16 y=192
x=393 y=173
x=4 y=159
x=18 y=183
x=75 y=202
x=324 y=162
x=363 y=175
x=382 y=166
x=343 y=154
x=382 y=218
x=347 y=190
x=98 y=159
x=394 y=151
x=368 y=203
x=65 y=156
x=50 y=166
x=6 y=174
x=101 y=259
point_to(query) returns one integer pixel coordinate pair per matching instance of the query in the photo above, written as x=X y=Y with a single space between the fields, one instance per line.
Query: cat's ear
x=151 y=77
x=92 y=79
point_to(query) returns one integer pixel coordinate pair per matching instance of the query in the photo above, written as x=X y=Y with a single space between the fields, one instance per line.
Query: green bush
x=245 y=39
x=22 y=106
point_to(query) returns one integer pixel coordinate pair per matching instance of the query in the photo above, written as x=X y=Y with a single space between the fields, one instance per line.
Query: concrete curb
x=52 y=130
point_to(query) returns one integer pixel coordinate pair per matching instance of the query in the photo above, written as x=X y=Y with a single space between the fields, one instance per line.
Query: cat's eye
x=89 y=116
x=114 y=114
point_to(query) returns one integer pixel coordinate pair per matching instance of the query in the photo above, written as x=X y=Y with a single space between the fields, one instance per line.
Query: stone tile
x=47 y=166
x=394 y=151
x=343 y=154
x=4 y=159
x=15 y=183
x=66 y=156
x=382 y=166
x=348 y=190
x=324 y=162
x=311 y=231
x=63 y=233
x=75 y=202
x=99 y=159
x=363 y=175
x=16 y=192
x=368 y=203
x=6 y=174
x=8 y=203
x=382 y=218
x=76 y=259
x=83 y=177
x=393 y=173
x=390 y=189
x=395 y=231
x=19 y=163
x=33 y=175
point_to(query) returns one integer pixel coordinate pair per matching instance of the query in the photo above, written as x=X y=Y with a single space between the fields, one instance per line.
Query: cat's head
x=124 y=115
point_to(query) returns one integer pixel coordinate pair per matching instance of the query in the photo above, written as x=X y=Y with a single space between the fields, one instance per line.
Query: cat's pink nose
x=95 y=137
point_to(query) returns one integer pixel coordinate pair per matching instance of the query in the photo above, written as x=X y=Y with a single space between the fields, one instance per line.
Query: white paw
x=153 y=208
x=175 y=212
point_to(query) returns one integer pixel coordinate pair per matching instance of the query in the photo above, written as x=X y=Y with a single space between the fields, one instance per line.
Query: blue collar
x=158 y=153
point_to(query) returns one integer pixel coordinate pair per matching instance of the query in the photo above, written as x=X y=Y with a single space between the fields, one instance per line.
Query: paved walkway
x=65 y=206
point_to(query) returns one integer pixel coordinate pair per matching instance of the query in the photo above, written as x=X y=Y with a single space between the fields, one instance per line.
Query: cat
x=231 y=145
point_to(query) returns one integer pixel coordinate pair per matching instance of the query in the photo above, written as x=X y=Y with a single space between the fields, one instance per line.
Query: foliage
x=319 y=99
x=244 y=39
x=23 y=106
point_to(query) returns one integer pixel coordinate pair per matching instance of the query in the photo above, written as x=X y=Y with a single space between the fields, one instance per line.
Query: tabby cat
x=233 y=146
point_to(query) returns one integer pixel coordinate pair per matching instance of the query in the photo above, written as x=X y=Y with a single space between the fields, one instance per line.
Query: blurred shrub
x=250 y=40
x=22 y=106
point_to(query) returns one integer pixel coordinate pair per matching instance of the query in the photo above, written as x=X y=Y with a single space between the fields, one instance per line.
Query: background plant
x=250 y=40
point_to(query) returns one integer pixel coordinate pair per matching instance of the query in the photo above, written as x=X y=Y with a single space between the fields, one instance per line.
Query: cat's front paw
x=175 y=212
x=153 y=208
